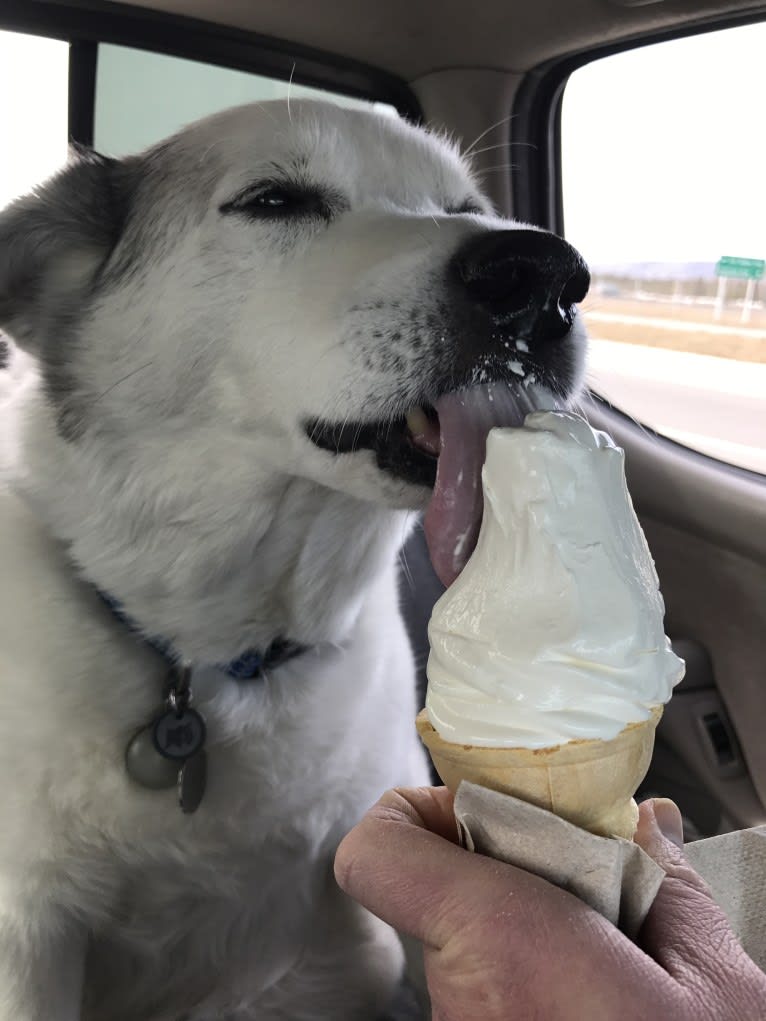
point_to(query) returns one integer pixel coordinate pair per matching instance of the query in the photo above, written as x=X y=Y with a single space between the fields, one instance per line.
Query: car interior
x=495 y=76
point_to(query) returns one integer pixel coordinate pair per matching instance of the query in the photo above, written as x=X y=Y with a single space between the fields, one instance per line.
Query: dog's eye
x=465 y=207
x=279 y=201
x=274 y=199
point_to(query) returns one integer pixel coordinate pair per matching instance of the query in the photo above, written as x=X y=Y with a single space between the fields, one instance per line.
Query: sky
x=664 y=150
x=33 y=111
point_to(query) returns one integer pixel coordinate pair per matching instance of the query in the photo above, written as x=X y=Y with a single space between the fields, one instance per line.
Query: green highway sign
x=745 y=269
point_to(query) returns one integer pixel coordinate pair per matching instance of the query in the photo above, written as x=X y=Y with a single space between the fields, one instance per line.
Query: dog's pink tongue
x=453 y=517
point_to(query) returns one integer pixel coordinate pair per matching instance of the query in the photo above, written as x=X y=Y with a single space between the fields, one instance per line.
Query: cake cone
x=589 y=783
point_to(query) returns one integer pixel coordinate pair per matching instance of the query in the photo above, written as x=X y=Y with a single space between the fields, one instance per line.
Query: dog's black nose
x=528 y=280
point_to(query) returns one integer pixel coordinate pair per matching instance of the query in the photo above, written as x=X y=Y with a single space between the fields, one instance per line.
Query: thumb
x=685 y=931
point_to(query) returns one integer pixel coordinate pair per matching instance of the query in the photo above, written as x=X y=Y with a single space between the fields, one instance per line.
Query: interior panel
x=412 y=39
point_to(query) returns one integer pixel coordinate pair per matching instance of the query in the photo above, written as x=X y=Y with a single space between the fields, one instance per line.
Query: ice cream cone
x=590 y=783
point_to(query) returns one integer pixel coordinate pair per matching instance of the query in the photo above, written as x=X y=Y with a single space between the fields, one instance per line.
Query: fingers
x=685 y=930
x=398 y=864
x=430 y=888
x=430 y=808
x=490 y=930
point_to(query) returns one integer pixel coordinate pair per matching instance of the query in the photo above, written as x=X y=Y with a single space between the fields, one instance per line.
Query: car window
x=33 y=112
x=662 y=162
x=142 y=96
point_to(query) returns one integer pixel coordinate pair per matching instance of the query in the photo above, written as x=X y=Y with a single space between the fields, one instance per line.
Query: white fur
x=194 y=496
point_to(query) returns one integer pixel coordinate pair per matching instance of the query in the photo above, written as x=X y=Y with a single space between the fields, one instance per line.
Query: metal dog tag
x=192 y=780
x=146 y=766
x=169 y=751
x=178 y=735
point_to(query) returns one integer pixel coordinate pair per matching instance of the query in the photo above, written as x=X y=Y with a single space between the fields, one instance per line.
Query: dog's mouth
x=441 y=446
x=407 y=447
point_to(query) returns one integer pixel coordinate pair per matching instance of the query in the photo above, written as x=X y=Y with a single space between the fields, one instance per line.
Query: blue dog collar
x=248 y=666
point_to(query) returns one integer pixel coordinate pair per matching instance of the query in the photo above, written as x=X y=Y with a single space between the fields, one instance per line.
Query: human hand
x=501 y=943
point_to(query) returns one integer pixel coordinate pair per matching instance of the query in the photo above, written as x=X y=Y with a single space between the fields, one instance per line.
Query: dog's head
x=322 y=290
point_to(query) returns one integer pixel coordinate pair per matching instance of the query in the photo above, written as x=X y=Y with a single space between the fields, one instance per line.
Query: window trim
x=536 y=186
x=86 y=23
x=83 y=65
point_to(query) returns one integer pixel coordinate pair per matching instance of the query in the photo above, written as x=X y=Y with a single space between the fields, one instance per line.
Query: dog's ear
x=54 y=241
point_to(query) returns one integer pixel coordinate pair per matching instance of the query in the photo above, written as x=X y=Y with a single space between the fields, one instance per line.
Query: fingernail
x=669 y=820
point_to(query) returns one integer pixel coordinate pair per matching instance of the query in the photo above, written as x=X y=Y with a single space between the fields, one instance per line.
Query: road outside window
x=662 y=155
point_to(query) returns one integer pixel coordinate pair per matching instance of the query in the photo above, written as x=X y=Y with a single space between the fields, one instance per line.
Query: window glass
x=33 y=112
x=662 y=157
x=142 y=97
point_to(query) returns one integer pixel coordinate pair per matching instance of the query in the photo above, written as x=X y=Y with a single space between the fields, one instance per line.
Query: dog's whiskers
x=357 y=434
x=502 y=145
x=503 y=120
x=343 y=425
x=289 y=90
x=313 y=433
x=494 y=170
x=593 y=386
x=403 y=556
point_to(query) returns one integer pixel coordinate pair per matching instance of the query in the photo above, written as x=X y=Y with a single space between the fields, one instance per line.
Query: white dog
x=240 y=341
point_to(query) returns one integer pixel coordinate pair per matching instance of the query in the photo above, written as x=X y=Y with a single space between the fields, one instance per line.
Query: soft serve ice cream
x=553 y=632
